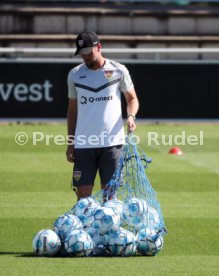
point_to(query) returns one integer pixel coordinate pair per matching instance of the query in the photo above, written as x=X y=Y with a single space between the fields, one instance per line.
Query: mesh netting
x=131 y=185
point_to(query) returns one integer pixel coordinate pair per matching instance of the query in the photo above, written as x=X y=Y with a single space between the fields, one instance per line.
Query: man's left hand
x=131 y=126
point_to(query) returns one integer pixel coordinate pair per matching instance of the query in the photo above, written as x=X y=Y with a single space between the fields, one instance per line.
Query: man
x=94 y=114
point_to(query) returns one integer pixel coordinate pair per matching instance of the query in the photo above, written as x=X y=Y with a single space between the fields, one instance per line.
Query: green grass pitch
x=35 y=189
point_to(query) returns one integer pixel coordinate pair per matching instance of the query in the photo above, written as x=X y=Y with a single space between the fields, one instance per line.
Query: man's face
x=91 y=60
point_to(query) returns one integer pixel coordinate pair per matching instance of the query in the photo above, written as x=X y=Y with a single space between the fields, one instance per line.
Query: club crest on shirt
x=77 y=175
x=108 y=73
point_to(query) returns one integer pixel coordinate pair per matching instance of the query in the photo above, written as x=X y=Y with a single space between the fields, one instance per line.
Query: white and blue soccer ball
x=99 y=244
x=122 y=243
x=46 y=243
x=115 y=204
x=84 y=209
x=105 y=220
x=153 y=218
x=90 y=230
x=89 y=218
x=65 y=223
x=149 y=242
x=135 y=213
x=78 y=243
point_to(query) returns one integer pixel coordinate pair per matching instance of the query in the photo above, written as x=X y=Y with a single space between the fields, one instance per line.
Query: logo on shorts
x=77 y=175
x=108 y=73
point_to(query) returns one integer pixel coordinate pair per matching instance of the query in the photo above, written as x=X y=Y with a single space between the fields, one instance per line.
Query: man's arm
x=132 y=108
x=71 y=125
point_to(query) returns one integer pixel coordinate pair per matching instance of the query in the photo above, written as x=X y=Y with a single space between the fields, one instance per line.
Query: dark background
x=164 y=90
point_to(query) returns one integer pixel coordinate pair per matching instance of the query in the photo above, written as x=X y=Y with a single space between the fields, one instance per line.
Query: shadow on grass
x=33 y=255
x=19 y=254
x=27 y=255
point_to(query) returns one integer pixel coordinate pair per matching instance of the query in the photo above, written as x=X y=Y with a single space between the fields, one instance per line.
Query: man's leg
x=108 y=193
x=84 y=191
x=85 y=169
x=108 y=164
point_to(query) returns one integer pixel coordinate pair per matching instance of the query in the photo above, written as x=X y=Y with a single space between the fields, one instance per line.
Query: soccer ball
x=153 y=218
x=149 y=242
x=115 y=204
x=89 y=218
x=78 y=243
x=46 y=243
x=122 y=243
x=90 y=230
x=65 y=223
x=85 y=208
x=99 y=244
x=134 y=213
x=106 y=220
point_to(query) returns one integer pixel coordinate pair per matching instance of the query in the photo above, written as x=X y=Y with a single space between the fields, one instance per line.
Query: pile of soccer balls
x=117 y=229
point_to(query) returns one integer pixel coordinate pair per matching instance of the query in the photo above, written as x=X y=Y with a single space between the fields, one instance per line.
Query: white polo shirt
x=98 y=93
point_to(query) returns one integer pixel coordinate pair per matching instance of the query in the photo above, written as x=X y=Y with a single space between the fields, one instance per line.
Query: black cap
x=85 y=41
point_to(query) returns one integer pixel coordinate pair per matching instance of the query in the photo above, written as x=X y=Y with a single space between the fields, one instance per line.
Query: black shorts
x=89 y=161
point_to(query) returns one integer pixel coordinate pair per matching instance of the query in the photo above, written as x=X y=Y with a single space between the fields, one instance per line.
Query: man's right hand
x=70 y=153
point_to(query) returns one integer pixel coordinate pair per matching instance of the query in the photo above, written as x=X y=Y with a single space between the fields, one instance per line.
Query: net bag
x=125 y=218
x=131 y=189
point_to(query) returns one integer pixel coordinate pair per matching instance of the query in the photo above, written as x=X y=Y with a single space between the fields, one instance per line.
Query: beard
x=93 y=64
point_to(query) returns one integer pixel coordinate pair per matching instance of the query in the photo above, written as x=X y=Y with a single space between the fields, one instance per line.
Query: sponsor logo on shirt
x=82 y=77
x=85 y=100
x=108 y=73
